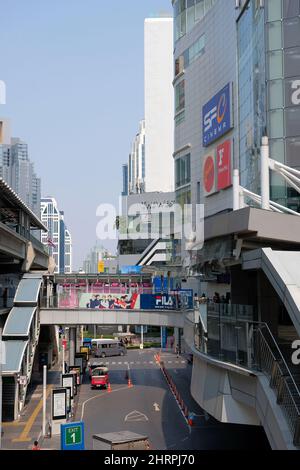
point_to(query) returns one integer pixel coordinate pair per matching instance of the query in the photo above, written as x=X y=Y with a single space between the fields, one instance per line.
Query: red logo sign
x=224 y=165
x=64 y=343
x=209 y=174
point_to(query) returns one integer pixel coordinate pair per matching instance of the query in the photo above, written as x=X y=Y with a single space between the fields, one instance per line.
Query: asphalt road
x=149 y=408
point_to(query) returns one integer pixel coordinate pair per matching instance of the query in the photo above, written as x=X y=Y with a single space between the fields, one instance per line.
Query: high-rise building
x=17 y=169
x=91 y=262
x=125 y=179
x=136 y=165
x=159 y=104
x=58 y=238
x=150 y=165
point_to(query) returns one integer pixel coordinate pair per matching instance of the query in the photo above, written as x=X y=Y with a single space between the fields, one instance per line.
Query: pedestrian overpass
x=78 y=317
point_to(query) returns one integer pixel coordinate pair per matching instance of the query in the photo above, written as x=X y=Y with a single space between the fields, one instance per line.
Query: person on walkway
x=36 y=446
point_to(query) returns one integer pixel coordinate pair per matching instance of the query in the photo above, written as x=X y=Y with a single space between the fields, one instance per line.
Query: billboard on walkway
x=110 y=301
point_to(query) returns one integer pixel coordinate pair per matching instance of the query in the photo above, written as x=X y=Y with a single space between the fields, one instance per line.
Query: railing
x=233 y=337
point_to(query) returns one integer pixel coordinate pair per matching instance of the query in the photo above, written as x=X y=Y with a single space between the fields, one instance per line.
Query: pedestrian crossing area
x=126 y=363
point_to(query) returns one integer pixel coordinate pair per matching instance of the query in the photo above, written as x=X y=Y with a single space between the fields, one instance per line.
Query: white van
x=108 y=348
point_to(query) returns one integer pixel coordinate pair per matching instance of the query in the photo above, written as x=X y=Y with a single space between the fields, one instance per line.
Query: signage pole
x=142 y=336
x=1 y=358
x=265 y=174
x=236 y=190
x=63 y=357
x=44 y=399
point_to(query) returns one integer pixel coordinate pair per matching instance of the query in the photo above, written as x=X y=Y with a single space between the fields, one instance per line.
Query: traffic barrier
x=109 y=388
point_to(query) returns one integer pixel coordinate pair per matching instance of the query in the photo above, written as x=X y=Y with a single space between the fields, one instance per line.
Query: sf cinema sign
x=217 y=169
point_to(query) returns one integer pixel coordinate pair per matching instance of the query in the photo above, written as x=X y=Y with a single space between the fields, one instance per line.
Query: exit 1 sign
x=72 y=436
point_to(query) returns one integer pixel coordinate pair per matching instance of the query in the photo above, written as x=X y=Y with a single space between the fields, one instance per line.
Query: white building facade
x=58 y=239
x=159 y=104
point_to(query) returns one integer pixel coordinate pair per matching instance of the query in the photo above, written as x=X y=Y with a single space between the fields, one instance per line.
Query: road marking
x=13 y=424
x=131 y=362
x=24 y=434
x=156 y=407
x=113 y=363
x=150 y=362
x=35 y=396
x=99 y=396
x=170 y=362
x=138 y=362
x=120 y=363
x=135 y=416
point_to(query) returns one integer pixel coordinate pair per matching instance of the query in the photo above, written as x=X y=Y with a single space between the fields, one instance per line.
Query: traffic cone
x=109 y=388
x=129 y=383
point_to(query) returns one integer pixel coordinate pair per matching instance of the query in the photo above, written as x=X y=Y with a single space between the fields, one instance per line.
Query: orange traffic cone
x=109 y=388
x=129 y=383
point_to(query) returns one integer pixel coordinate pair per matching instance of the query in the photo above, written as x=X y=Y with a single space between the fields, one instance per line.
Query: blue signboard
x=217 y=119
x=164 y=337
x=161 y=284
x=158 y=302
x=72 y=436
x=131 y=269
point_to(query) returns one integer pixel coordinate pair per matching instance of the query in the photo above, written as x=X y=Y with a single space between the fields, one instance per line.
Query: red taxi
x=99 y=377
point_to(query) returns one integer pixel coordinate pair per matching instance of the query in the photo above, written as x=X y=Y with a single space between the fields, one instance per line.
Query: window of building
x=183 y=171
x=180 y=96
x=187 y=13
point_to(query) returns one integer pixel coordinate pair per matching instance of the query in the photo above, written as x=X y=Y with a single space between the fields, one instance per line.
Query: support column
x=72 y=350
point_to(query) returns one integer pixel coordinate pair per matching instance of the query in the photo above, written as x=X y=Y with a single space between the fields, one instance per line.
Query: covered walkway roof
x=14 y=203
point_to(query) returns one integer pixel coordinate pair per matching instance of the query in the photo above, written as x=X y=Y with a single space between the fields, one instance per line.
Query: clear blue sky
x=74 y=76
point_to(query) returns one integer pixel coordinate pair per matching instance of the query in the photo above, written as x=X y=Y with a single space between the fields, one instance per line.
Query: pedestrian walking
x=36 y=446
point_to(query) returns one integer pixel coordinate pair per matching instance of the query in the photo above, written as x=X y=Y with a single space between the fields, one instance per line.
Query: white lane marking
x=176 y=362
x=113 y=363
x=131 y=362
x=150 y=362
x=120 y=363
x=99 y=396
x=183 y=362
x=170 y=362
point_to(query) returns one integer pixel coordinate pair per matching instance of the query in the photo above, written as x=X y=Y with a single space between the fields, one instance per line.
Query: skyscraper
x=58 y=238
x=150 y=165
x=17 y=169
x=159 y=105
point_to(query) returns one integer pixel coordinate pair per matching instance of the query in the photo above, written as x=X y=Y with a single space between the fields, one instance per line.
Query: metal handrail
x=280 y=354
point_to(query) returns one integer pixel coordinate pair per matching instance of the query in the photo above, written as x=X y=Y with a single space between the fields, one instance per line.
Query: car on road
x=99 y=378
x=94 y=366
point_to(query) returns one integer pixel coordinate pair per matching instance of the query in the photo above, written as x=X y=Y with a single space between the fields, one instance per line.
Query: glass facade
x=187 y=13
x=252 y=93
x=183 y=171
x=189 y=56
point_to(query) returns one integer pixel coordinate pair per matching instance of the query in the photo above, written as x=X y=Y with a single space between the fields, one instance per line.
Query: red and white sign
x=64 y=343
x=224 y=165
x=209 y=174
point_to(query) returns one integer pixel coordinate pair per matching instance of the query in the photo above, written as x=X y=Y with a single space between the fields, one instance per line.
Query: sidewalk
x=21 y=434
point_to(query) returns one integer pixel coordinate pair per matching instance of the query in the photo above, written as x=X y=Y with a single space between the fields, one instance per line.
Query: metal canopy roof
x=19 y=321
x=28 y=290
x=12 y=196
x=14 y=352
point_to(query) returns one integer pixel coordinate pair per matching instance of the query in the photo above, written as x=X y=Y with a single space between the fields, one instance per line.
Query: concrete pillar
x=72 y=350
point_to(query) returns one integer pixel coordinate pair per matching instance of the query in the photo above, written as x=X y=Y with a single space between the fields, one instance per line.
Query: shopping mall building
x=237 y=79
